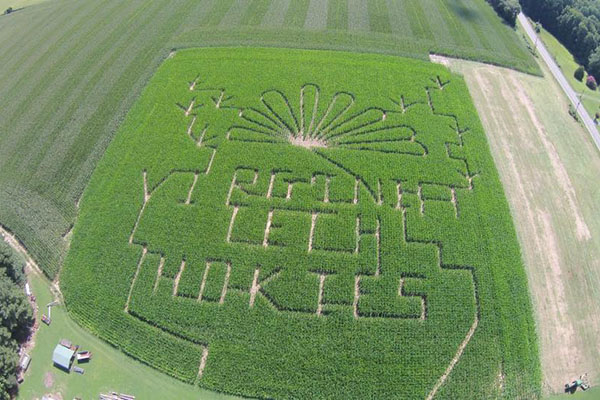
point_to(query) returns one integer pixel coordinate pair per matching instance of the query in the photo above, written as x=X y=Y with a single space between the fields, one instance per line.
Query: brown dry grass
x=548 y=166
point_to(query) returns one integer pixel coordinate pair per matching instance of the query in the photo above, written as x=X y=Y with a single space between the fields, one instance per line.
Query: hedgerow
x=301 y=224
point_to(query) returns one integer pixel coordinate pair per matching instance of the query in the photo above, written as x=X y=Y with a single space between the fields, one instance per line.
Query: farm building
x=63 y=357
x=25 y=361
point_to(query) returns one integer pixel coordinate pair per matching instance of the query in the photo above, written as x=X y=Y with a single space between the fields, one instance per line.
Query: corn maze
x=296 y=224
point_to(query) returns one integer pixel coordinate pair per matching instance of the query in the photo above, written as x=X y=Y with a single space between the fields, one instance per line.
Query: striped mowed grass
x=72 y=69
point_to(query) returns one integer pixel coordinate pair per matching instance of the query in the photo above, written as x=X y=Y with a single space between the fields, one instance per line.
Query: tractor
x=582 y=383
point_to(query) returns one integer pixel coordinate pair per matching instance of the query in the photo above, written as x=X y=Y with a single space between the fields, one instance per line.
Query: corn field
x=322 y=225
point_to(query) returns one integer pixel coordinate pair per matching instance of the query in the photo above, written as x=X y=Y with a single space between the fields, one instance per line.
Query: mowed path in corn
x=549 y=167
x=71 y=70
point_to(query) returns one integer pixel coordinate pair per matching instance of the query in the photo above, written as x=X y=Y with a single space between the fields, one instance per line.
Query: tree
x=579 y=72
x=591 y=82
x=15 y=311
x=575 y=23
x=12 y=263
x=16 y=317
x=507 y=9
x=9 y=361
x=594 y=63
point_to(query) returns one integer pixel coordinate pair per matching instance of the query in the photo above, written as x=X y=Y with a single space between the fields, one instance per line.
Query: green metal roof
x=62 y=356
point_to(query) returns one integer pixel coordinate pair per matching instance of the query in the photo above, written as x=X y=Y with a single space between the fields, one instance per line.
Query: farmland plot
x=293 y=231
x=73 y=68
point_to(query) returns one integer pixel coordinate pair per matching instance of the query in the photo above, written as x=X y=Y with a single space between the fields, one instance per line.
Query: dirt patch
x=203 y=284
x=268 y=229
x=210 y=162
x=225 y=284
x=48 y=380
x=313 y=222
x=203 y=362
x=188 y=199
x=378 y=247
x=455 y=359
x=320 y=298
x=178 y=278
x=307 y=142
x=254 y=288
x=53 y=396
x=230 y=229
x=137 y=272
x=437 y=59
x=271 y=184
x=161 y=265
x=356 y=296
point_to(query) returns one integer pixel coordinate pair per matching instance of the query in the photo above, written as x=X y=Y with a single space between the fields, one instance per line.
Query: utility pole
x=579 y=99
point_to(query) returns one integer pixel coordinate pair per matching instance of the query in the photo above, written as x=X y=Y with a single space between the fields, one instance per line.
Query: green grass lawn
x=71 y=70
x=590 y=394
x=590 y=98
x=16 y=4
x=109 y=370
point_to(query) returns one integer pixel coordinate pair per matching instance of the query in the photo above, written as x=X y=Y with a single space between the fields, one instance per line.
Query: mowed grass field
x=325 y=225
x=547 y=162
x=17 y=4
x=590 y=99
x=72 y=69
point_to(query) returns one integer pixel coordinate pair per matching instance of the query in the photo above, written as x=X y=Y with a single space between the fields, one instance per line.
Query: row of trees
x=507 y=9
x=576 y=23
x=16 y=317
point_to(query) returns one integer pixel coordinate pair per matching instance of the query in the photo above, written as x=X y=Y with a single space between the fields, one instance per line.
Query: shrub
x=597 y=114
x=579 y=72
x=593 y=66
x=591 y=82
x=538 y=27
x=8 y=10
x=11 y=264
x=573 y=112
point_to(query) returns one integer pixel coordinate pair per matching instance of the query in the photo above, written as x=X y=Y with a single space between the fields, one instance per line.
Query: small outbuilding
x=63 y=357
x=25 y=361
x=84 y=356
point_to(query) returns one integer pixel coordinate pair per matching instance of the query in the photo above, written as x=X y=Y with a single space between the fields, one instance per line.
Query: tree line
x=575 y=23
x=507 y=9
x=16 y=317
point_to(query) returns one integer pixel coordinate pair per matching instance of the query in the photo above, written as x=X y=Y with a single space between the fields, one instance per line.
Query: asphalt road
x=558 y=75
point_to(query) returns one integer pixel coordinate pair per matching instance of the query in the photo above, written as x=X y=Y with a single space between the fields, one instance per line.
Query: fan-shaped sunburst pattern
x=315 y=123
